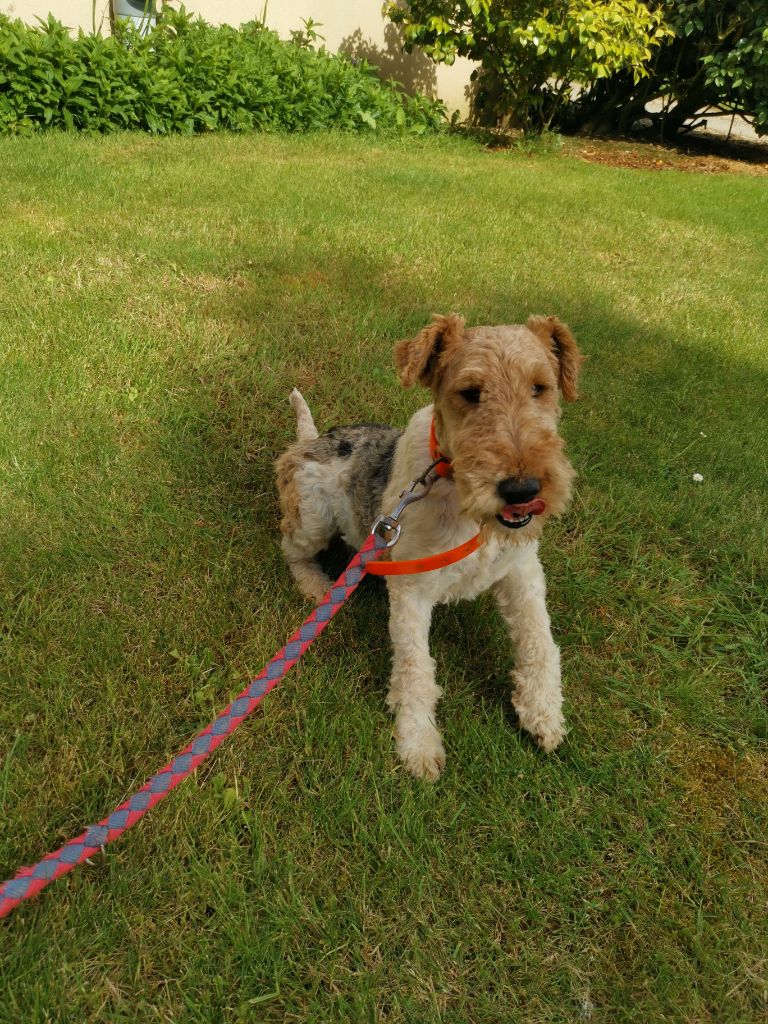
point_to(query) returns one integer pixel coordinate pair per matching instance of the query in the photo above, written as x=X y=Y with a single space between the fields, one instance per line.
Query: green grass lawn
x=158 y=301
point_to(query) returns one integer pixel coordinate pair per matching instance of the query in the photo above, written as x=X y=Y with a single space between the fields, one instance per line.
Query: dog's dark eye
x=538 y=389
x=471 y=395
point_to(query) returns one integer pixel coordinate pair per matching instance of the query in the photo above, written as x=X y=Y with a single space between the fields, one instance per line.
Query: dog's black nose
x=517 y=492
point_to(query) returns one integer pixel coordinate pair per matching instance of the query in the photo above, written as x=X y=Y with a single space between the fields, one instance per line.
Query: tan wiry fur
x=496 y=409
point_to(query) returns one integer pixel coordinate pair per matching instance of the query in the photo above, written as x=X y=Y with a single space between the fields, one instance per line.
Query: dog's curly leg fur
x=413 y=692
x=537 y=696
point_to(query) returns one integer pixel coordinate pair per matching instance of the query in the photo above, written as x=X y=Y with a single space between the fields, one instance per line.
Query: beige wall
x=354 y=26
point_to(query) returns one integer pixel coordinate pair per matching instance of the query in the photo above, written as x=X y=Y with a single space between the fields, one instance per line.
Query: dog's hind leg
x=308 y=528
x=308 y=524
x=310 y=578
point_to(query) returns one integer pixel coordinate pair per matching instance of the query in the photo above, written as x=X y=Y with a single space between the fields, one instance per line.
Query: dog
x=494 y=419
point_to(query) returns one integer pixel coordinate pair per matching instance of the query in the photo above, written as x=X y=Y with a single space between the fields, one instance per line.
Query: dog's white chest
x=494 y=561
x=477 y=572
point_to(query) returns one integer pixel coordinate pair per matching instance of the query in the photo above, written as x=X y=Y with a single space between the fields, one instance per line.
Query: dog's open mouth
x=516 y=516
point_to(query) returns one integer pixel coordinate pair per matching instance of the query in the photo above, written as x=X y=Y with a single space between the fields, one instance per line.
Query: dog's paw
x=549 y=737
x=314 y=587
x=546 y=725
x=542 y=718
x=421 y=751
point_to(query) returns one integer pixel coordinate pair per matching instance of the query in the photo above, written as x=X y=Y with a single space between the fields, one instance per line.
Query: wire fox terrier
x=494 y=415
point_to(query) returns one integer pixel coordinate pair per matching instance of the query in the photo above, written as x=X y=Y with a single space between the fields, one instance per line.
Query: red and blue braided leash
x=29 y=881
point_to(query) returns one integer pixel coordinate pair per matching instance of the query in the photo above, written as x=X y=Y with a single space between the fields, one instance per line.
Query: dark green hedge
x=188 y=76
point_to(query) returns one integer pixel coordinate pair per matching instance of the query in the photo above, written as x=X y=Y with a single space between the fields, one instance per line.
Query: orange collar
x=413 y=565
x=444 y=468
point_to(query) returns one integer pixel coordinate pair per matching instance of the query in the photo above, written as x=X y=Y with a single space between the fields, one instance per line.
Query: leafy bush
x=187 y=76
x=595 y=65
x=533 y=57
x=716 y=56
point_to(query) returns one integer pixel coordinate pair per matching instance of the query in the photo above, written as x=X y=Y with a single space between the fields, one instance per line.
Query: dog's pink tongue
x=528 y=508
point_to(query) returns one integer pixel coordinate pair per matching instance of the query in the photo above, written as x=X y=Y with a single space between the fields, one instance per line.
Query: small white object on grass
x=699 y=479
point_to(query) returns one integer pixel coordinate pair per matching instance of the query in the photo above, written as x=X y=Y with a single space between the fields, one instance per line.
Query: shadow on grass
x=656 y=408
x=640 y=539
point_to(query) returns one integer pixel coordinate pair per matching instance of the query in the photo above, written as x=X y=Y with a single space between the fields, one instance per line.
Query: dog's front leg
x=537 y=697
x=413 y=693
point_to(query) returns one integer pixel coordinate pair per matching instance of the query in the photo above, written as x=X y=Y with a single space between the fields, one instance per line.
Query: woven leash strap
x=29 y=881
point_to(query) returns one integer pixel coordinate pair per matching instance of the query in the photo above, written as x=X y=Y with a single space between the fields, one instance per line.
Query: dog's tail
x=305 y=425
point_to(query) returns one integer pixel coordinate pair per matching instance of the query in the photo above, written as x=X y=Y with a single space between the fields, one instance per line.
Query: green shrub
x=187 y=76
x=533 y=57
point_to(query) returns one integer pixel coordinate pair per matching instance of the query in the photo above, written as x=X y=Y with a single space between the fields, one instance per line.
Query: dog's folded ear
x=418 y=359
x=561 y=344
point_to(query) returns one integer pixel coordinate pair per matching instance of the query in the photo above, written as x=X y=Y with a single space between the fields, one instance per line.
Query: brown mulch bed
x=702 y=153
x=702 y=156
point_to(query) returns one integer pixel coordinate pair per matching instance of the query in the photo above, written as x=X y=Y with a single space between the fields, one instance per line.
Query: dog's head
x=496 y=406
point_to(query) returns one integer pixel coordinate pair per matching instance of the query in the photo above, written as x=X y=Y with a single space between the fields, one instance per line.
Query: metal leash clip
x=387 y=527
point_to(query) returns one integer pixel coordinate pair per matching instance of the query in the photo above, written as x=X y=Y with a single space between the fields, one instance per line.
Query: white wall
x=357 y=27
